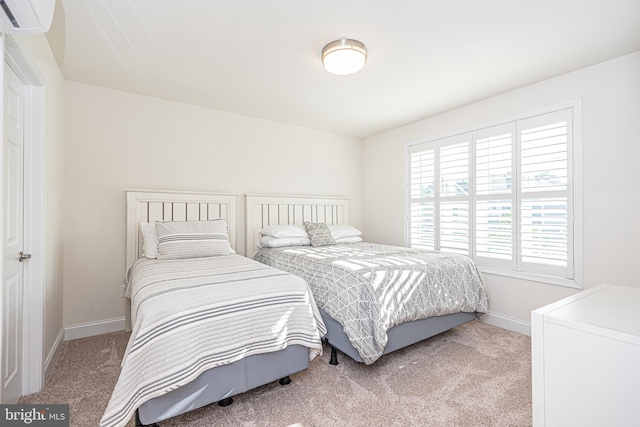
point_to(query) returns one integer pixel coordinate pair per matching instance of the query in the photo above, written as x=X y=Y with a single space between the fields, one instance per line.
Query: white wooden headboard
x=164 y=205
x=161 y=205
x=264 y=210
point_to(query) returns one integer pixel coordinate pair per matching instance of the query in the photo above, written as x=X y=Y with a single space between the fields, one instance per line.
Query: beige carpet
x=473 y=375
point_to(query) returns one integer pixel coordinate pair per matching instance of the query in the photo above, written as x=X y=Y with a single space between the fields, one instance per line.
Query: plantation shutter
x=454 y=175
x=422 y=196
x=495 y=196
x=502 y=195
x=546 y=226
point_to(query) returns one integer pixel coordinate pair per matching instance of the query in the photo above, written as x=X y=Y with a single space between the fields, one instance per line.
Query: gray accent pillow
x=192 y=239
x=319 y=233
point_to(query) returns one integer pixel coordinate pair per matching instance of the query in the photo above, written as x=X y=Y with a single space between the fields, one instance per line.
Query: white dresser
x=586 y=359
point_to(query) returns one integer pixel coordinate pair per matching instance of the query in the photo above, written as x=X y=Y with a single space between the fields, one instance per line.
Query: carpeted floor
x=473 y=375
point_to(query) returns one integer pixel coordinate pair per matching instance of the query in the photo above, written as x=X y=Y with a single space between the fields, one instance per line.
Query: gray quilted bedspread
x=369 y=288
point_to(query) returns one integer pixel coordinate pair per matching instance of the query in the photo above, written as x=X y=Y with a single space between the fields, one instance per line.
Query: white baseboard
x=507 y=322
x=93 y=328
x=53 y=355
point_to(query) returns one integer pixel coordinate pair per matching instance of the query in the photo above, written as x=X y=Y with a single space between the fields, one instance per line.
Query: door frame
x=17 y=56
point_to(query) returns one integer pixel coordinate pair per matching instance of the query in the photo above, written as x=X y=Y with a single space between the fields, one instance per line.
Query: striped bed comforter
x=190 y=315
x=370 y=288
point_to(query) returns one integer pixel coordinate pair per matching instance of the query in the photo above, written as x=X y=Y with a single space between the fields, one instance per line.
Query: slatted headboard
x=264 y=210
x=160 y=205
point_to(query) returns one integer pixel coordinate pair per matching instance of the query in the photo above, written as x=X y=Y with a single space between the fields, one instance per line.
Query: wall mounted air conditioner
x=26 y=16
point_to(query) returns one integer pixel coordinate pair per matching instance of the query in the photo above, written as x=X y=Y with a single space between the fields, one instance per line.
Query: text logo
x=34 y=415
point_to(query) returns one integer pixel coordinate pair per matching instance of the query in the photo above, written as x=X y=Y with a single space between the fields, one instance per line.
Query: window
x=503 y=194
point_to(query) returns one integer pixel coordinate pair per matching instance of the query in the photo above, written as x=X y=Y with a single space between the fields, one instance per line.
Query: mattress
x=370 y=288
x=191 y=315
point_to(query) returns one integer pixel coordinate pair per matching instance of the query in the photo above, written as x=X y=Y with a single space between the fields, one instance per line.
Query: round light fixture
x=344 y=56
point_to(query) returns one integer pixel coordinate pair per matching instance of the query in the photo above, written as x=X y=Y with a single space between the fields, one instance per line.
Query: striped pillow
x=192 y=239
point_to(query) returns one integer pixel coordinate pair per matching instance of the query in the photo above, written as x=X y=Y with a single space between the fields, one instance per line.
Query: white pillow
x=284 y=230
x=192 y=239
x=338 y=231
x=279 y=242
x=354 y=239
x=149 y=240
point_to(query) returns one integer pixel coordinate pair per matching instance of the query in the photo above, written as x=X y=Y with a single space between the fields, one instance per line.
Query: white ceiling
x=262 y=58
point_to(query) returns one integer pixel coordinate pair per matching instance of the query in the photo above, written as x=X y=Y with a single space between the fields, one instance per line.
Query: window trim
x=576 y=166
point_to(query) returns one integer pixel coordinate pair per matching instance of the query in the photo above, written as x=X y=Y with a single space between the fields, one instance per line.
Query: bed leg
x=139 y=423
x=225 y=402
x=334 y=357
x=284 y=381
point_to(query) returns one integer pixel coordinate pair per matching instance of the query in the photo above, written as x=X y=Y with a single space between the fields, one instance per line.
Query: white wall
x=610 y=95
x=117 y=140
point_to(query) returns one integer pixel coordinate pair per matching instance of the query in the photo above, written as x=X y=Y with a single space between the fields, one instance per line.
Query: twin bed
x=202 y=331
x=206 y=324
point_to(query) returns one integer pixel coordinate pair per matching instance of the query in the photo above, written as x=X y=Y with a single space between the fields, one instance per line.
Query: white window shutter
x=545 y=205
x=454 y=175
x=422 y=191
x=423 y=225
x=494 y=196
x=501 y=194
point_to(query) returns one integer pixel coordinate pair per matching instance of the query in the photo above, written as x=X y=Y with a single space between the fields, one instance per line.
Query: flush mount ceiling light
x=344 y=56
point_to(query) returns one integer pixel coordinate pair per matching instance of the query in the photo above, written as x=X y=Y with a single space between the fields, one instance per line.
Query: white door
x=13 y=140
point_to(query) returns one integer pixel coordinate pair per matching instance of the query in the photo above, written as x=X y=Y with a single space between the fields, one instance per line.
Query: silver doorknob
x=22 y=256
